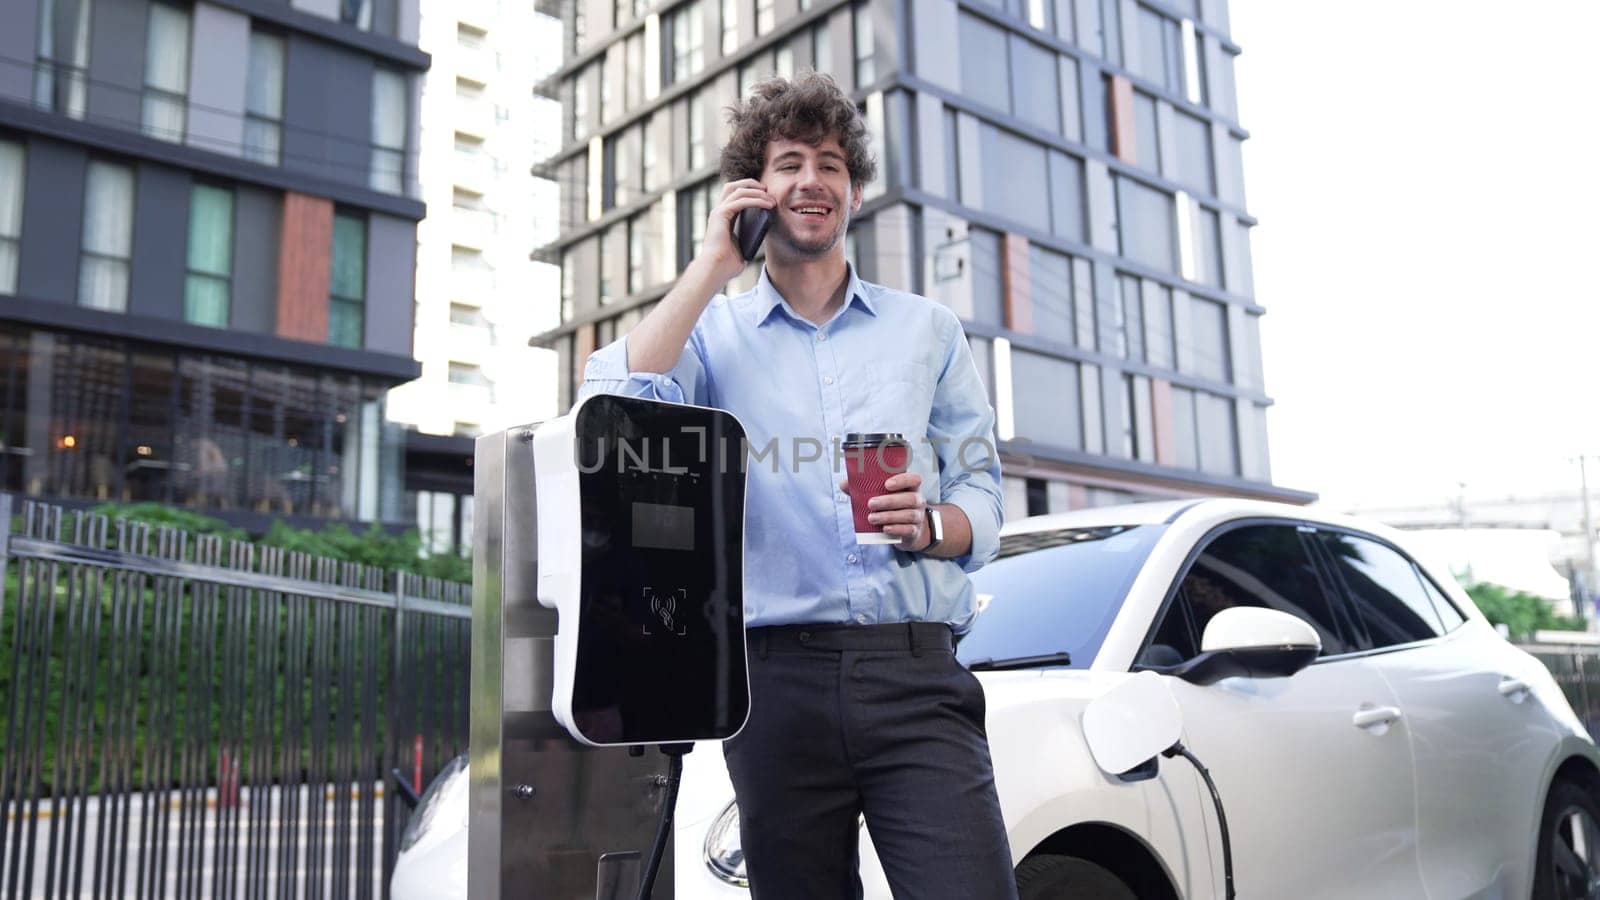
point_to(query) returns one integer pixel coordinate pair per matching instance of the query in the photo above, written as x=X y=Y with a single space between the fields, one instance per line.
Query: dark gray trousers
x=877 y=720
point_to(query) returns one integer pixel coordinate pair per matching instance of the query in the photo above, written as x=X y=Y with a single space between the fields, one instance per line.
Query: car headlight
x=444 y=802
x=724 y=855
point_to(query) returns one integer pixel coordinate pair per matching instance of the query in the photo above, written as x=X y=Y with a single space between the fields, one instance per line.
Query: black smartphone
x=750 y=229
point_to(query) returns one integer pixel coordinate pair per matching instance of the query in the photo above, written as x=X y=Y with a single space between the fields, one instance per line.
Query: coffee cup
x=869 y=460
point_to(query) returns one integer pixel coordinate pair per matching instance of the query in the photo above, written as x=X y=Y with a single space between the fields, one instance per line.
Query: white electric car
x=1404 y=750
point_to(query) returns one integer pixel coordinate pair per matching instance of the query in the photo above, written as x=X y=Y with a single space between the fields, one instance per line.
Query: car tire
x=1051 y=877
x=1567 y=804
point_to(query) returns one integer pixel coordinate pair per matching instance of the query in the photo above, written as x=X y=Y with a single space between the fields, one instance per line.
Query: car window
x=1448 y=614
x=1385 y=592
x=1265 y=566
x=1056 y=591
x=1174 y=639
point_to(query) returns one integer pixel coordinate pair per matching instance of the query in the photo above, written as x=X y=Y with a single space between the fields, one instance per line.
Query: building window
x=263 y=100
x=613 y=263
x=1046 y=399
x=10 y=214
x=61 y=70
x=1208 y=324
x=637 y=235
x=207 y=288
x=866 y=66
x=1130 y=319
x=697 y=130
x=357 y=13
x=821 y=48
x=388 y=164
x=729 y=10
x=467 y=374
x=694 y=205
x=1111 y=31
x=166 y=73
x=766 y=15
x=1146 y=225
x=633 y=72
x=580 y=28
x=685 y=43
x=107 y=237
x=580 y=106
x=347 y=289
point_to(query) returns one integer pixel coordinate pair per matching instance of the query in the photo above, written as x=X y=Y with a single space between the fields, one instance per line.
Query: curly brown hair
x=810 y=108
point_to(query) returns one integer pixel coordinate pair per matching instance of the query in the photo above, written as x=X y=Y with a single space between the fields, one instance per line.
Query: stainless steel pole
x=548 y=817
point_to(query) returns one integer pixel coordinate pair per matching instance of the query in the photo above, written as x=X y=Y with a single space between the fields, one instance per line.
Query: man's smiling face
x=814 y=194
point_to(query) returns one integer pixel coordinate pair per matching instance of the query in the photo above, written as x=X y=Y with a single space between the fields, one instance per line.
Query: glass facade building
x=208 y=223
x=1063 y=174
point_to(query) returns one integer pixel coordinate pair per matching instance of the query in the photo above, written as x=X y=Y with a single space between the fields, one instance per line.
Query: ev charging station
x=607 y=620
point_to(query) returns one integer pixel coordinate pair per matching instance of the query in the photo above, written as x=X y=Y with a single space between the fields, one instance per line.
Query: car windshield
x=1055 y=591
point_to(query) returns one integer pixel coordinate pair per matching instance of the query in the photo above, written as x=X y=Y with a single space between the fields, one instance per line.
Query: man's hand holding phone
x=722 y=245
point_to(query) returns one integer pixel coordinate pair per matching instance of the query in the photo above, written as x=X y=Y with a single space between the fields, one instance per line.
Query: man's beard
x=820 y=246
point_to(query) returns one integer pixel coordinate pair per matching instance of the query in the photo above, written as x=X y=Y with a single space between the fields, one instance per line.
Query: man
x=858 y=706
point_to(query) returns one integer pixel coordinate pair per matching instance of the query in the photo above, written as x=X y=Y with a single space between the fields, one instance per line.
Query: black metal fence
x=1577 y=670
x=192 y=718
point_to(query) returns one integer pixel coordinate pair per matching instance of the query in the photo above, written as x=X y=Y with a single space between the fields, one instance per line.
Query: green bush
x=1522 y=613
x=373 y=547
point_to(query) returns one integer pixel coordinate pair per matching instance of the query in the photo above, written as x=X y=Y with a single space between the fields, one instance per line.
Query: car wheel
x=1049 y=877
x=1568 y=867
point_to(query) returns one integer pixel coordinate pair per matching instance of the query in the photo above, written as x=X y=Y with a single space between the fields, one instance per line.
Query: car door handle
x=1376 y=716
x=1513 y=689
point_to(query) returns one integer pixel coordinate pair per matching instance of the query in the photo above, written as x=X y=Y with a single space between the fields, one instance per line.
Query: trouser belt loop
x=911 y=632
x=761 y=643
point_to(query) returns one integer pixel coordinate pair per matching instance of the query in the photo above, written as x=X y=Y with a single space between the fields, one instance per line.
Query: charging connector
x=1179 y=749
x=674 y=754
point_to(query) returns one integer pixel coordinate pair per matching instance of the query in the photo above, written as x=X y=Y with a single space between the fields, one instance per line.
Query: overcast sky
x=1425 y=178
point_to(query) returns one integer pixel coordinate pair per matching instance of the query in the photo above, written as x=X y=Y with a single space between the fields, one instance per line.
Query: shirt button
x=821 y=337
x=861 y=618
x=851 y=559
x=827 y=379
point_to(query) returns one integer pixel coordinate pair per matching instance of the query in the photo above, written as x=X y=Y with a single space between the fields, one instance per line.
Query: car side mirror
x=1250 y=642
x=1132 y=724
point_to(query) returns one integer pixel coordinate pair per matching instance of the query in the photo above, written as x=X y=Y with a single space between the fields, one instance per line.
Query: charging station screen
x=661 y=653
x=663 y=527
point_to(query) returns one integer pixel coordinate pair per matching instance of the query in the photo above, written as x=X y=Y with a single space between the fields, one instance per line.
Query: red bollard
x=416 y=766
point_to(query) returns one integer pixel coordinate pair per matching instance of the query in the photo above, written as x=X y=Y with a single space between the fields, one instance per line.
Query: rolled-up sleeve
x=607 y=372
x=961 y=427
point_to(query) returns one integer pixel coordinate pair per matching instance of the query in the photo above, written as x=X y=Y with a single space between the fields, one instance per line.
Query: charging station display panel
x=660 y=651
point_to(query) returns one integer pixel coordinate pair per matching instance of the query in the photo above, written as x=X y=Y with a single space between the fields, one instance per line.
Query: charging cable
x=674 y=753
x=1179 y=749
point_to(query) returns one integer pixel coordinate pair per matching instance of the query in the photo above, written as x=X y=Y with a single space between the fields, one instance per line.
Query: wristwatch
x=935 y=529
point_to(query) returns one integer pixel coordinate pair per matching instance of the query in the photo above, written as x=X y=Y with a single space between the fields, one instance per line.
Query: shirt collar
x=768 y=300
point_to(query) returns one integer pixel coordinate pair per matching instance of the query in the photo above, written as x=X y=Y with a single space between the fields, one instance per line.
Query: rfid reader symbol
x=664 y=606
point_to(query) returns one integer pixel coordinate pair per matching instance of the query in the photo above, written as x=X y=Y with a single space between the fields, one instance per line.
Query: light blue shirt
x=888 y=361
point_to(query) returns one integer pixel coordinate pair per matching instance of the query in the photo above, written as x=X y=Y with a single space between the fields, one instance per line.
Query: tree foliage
x=1522 y=613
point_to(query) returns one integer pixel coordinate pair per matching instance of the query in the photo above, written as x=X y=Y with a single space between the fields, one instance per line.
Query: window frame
x=1336 y=600
x=85 y=253
x=335 y=300
x=272 y=156
x=8 y=240
x=190 y=273
x=1325 y=560
x=378 y=178
x=149 y=92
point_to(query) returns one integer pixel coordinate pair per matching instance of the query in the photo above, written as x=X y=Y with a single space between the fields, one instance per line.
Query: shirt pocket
x=894 y=397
